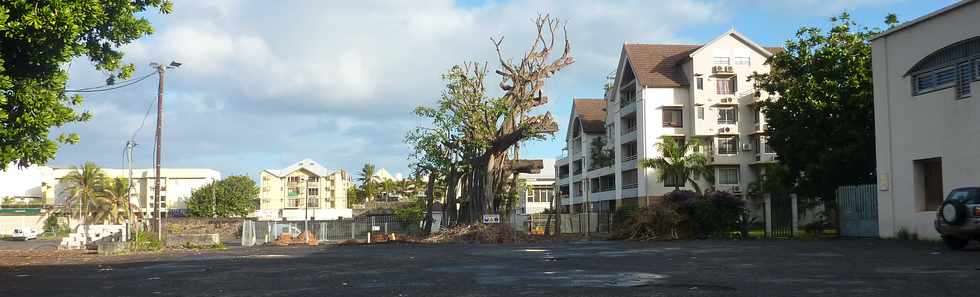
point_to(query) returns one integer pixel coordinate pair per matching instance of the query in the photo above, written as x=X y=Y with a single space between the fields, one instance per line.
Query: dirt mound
x=478 y=233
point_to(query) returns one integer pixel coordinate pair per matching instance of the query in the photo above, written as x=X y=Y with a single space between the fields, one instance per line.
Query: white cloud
x=264 y=84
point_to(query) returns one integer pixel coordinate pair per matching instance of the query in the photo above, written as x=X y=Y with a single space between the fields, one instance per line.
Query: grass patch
x=146 y=242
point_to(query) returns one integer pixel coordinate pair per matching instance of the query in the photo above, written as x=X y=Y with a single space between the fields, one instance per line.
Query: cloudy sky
x=266 y=83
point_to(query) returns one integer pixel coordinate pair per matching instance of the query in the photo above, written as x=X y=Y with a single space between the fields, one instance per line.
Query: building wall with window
x=539 y=192
x=677 y=91
x=927 y=137
x=303 y=190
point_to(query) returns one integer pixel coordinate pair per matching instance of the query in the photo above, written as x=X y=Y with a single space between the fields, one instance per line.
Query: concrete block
x=193 y=240
x=112 y=247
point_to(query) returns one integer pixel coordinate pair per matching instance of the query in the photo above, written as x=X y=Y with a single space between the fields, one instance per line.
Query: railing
x=627 y=130
x=629 y=158
x=630 y=186
x=563 y=175
x=604 y=188
x=292 y=203
x=313 y=184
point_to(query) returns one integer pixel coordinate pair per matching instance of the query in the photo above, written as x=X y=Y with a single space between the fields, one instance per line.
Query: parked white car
x=25 y=234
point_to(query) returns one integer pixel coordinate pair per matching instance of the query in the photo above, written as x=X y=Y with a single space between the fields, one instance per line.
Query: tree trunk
x=429 y=197
x=449 y=209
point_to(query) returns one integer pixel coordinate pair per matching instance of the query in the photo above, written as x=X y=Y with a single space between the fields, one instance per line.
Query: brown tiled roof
x=658 y=65
x=592 y=113
x=775 y=50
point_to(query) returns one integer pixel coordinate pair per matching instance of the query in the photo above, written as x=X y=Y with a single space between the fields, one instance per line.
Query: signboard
x=375 y=228
x=491 y=219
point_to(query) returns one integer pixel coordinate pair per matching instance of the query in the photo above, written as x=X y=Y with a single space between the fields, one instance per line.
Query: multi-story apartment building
x=304 y=190
x=667 y=90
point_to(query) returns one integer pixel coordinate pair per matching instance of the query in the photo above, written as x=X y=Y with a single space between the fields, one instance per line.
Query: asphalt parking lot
x=595 y=268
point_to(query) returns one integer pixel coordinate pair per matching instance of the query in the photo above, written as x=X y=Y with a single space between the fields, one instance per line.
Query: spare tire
x=953 y=212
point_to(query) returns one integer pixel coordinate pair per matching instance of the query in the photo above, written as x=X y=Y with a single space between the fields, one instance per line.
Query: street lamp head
x=174 y=64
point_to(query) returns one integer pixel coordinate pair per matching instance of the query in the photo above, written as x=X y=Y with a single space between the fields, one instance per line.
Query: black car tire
x=959 y=215
x=955 y=243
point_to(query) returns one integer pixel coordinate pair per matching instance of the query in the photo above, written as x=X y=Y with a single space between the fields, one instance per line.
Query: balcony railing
x=563 y=175
x=627 y=130
x=630 y=186
x=604 y=188
x=629 y=158
x=292 y=203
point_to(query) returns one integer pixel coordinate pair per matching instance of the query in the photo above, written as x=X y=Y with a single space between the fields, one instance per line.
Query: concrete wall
x=909 y=128
x=9 y=223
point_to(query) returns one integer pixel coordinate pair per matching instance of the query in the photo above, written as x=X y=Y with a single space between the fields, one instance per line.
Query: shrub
x=649 y=223
x=623 y=215
x=716 y=214
x=146 y=241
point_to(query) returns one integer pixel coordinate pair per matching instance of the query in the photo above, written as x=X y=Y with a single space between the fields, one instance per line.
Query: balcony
x=313 y=184
x=723 y=70
x=628 y=135
x=627 y=108
x=724 y=159
x=312 y=201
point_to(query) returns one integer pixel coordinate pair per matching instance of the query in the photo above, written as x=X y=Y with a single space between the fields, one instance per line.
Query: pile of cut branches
x=478 y=233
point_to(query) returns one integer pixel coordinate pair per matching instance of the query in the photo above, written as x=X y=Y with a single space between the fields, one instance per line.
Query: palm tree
x=368 y=180
x=83 y=186
x=113 y=202
x=680 y=162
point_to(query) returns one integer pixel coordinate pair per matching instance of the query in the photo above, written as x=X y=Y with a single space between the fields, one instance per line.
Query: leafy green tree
x=822 y=124
x=234 y=196
x=682 y=162
x=37 y=40
x=601 y=156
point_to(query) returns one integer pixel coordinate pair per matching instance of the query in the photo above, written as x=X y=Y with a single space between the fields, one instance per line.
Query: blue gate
x=858 y=208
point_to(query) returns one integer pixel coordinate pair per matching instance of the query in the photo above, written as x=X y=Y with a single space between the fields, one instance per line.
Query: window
x=728 y=175
x=976 y=64
x=312 y=191
x=768 y=149
x=727 y=115
x=923 y=83
x=756 y=115
x=700 y=112
x=743 y=61
x=294 y=179
x=722 y=61
x=629 y=151
x=945 y=77
x=700 y=81
x=728 y=145
x=629 y=124
x=673 y=117
x=966 y=196
x=726 y=86
x=964 y=79
x=313 y=179
x=293 y=191
x=928 y=181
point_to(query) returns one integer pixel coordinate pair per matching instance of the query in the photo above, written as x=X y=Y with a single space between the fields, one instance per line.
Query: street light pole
x=161 y=70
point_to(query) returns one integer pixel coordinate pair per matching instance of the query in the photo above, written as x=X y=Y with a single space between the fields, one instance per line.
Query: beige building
x=304 y=190
x=686 y=92
x=927 y=140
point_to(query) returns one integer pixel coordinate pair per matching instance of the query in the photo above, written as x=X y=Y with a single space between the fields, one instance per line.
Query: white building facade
x=686 y=92
x=539 y=189
x=44 y=183
x=927 y=138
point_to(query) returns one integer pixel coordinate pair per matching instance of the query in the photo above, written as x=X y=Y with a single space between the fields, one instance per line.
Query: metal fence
x=593 y=222
x=858 y=208
x=262 y=232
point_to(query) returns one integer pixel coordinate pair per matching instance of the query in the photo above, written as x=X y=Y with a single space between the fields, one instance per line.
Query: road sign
x=491 y=219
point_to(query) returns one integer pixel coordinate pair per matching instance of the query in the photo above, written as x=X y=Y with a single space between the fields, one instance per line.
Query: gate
x=781 y=217
x=858 y=208
x=262 y=232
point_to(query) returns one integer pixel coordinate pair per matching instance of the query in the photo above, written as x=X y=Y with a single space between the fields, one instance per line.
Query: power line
x=111 y=87
x=146 y=115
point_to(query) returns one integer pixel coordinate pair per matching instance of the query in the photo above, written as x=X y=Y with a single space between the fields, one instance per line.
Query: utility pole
x=214 y=204
x=161 y=70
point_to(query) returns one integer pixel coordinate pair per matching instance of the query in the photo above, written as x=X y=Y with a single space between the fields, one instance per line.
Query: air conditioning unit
x=724 y=129
x=746 y=147
x=722 y=69
x=726 y=100
x=736 y=189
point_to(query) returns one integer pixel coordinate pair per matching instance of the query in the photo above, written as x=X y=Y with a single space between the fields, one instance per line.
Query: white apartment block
x=539 y=191
x=304 y=190
x=665 y=90
x=926 y=131
x=176 y=185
